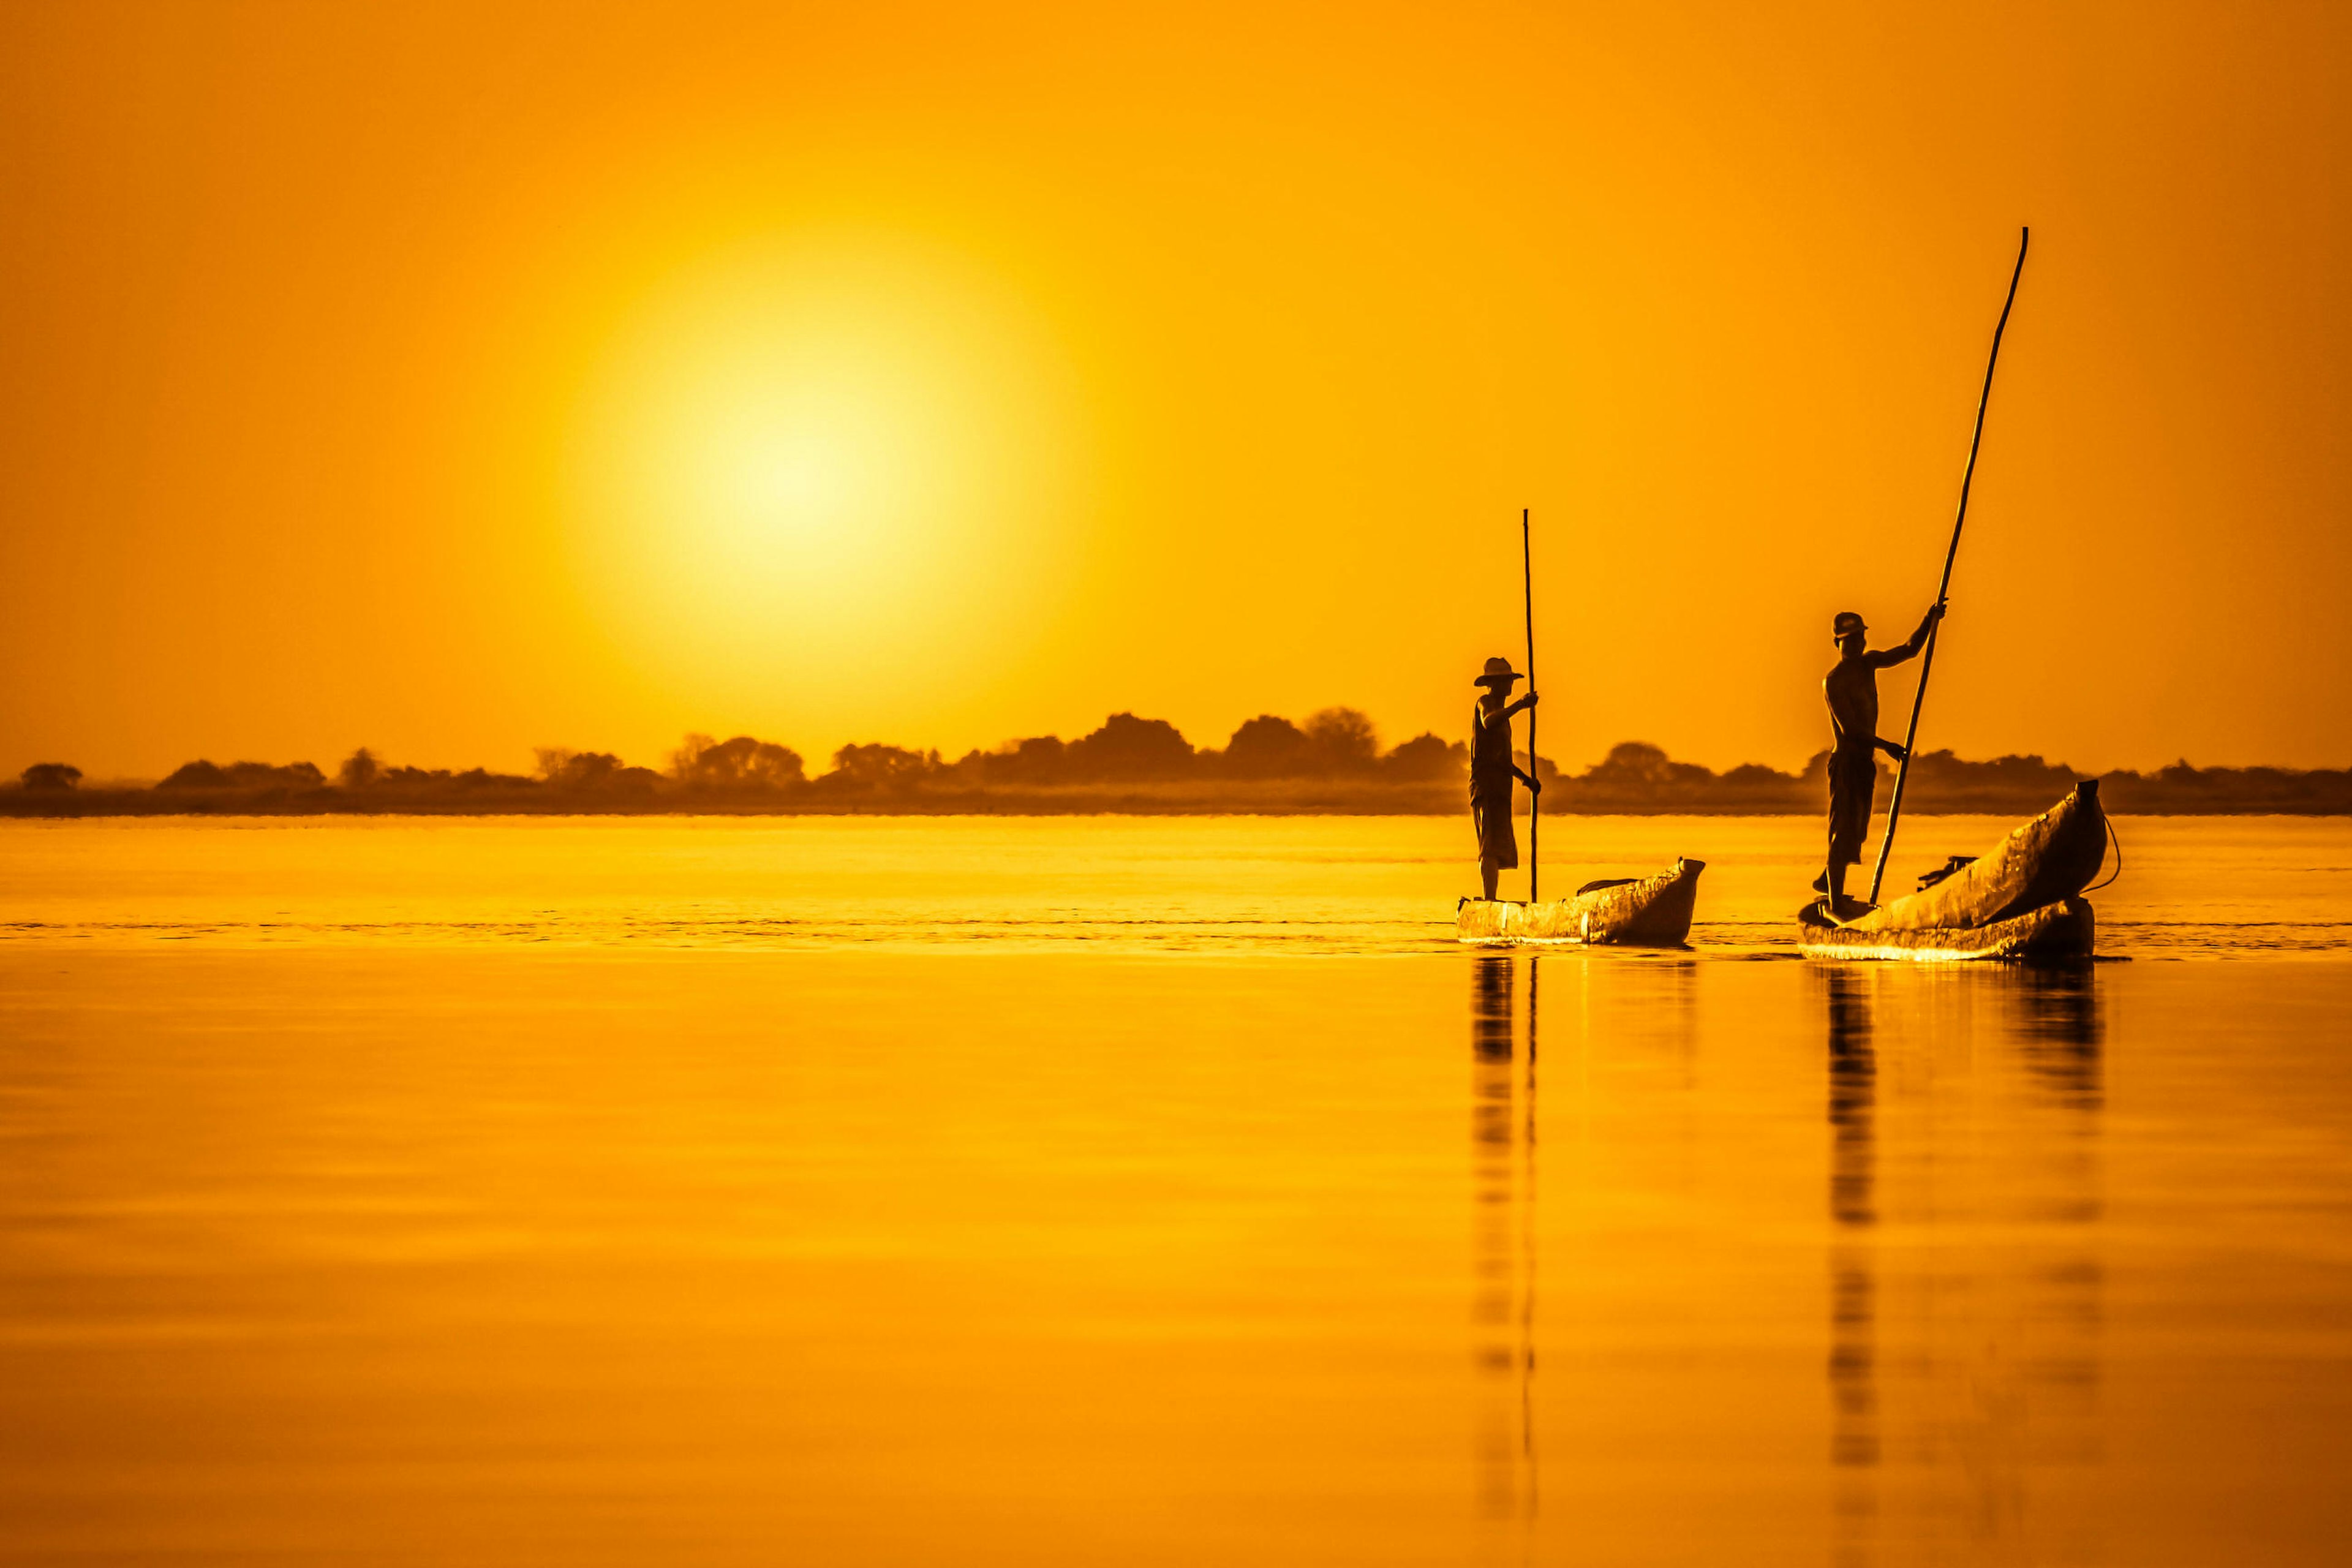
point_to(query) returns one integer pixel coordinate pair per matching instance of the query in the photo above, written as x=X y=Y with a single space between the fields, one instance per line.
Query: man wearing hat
x=1492 y=769
x=1853 y=691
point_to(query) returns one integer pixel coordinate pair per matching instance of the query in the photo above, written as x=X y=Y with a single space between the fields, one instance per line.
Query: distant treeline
x=1331 y=762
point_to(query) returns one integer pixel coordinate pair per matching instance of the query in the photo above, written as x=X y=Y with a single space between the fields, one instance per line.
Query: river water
x=1123 y=1190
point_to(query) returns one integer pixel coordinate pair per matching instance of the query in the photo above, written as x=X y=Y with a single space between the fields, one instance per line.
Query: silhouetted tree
x=359 y=770
x=1428 y=760
x=1039 y=759
x=741 y=762
x=2182 y=787
x=566 y=769
x=50 y=776
x=1344 y=739
x=871 y=766
x=1126 y=747
x=1943 y=770
x=203 y=775
x=1637 y=763
x=1267 y=747
x=482 y=778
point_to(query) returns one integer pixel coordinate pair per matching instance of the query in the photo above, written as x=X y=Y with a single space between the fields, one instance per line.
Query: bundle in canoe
x=1653 y=911
x=2021 y=900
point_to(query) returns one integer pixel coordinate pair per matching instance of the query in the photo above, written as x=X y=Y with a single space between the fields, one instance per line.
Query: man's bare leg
x=1493 y=873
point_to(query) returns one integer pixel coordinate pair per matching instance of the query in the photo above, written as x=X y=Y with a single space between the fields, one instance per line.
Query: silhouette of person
x=1492 y=769
x=1853 y=691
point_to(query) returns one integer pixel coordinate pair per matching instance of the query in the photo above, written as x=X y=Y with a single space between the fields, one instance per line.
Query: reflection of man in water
x=1852 y=690
x=1492 y=769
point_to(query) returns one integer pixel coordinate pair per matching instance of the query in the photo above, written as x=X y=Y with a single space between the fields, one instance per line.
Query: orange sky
x=457 y=379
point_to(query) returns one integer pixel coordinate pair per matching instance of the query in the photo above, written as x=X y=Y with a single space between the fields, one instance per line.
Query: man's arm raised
x=1909 y=650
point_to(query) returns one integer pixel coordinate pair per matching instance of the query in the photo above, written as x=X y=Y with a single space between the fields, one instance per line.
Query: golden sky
x=453 y=379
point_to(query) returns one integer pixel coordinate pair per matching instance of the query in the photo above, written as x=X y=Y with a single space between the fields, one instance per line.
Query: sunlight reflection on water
x=515 y=1194
x=2191 y=887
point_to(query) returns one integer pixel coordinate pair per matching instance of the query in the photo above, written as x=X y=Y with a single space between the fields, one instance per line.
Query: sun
x=790 y=443
x=805 y=444
x=801 y=480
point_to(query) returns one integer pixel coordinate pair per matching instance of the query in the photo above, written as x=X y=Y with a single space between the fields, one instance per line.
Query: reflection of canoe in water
x=1637 y=911
x=2021 y=900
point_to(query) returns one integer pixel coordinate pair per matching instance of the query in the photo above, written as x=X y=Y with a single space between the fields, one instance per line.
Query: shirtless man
x=1492 y=769
x=1853 y=691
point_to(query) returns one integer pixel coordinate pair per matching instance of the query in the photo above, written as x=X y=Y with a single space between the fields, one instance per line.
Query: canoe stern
x=2041 y=863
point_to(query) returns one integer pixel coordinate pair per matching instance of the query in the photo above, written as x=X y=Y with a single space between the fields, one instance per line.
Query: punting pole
x=1927 y=661
x=1528 y=576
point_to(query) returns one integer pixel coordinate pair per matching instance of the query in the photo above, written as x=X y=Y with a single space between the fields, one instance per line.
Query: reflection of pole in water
x=1527 y=1249
x=1963 y=1365
x=1502 y=1145
x=1853 y=1283
x=1493 y=979
x=2057 y=1026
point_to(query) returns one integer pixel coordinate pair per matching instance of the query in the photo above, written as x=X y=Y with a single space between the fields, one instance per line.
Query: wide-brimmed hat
x=1847 y=623
x=1498 y=673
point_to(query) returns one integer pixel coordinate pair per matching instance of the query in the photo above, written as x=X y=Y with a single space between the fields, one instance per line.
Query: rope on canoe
x=2109 y=824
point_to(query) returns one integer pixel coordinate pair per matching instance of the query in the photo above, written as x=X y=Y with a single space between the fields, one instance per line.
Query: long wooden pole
x=1528 y=576
x=1942 y=588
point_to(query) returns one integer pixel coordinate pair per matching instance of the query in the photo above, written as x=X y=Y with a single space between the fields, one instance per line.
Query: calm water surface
x=1101 y=1191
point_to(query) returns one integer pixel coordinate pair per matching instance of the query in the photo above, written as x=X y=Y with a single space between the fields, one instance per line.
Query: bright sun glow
x=804 y=448
x=797 y=482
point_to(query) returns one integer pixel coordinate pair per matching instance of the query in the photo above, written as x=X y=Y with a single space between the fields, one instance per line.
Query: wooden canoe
x=2064 y=930
x=1647 y=911
x=2021 y=899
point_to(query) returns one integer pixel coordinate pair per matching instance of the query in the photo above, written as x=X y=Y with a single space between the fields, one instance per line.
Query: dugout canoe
x=2064 y=930
x=1638 y=911
x=2021 y=899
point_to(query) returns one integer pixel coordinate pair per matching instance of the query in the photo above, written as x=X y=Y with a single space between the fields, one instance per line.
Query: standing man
x=1492 y=769
x=1853 y=691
